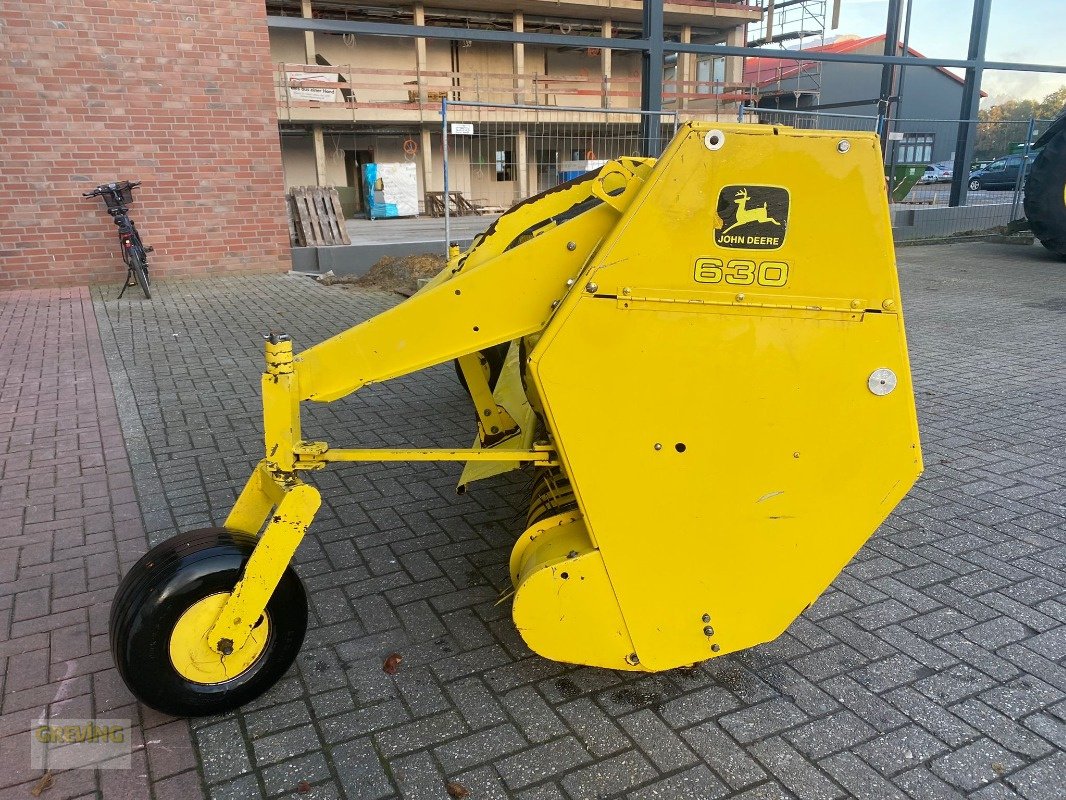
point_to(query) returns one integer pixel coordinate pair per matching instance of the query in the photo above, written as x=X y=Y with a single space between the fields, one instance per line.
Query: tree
x=1006 y=123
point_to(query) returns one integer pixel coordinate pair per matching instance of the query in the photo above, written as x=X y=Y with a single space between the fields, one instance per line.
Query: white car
x=935 y=173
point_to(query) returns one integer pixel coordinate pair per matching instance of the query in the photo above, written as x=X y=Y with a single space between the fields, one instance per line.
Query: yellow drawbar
x=699 y=358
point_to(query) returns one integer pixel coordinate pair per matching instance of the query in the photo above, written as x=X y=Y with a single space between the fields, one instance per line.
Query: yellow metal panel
x=193 y=658
x=268 y=561
x=510 y=395
x=563 y=605
x=837 y=239
x=495 y=424
x=729 y=459
x=259 y=496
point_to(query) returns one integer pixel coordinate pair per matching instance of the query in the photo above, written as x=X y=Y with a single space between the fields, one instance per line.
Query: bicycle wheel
x=140 y=270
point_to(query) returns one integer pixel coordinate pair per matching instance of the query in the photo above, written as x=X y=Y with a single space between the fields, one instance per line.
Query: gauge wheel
x=164 y=608
x=492 y=361
x=1045 y=196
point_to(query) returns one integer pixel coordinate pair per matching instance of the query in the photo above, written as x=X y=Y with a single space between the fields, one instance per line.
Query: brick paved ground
x=68 y=519
x=932 y=668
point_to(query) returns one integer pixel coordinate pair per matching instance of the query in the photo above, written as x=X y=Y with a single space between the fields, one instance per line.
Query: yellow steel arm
x=496 y=293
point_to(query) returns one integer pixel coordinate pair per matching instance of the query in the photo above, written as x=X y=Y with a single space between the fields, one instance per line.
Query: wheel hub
x=192 y=656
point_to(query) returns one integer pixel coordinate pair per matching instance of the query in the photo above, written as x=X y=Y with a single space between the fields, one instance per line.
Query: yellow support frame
x=493 y=293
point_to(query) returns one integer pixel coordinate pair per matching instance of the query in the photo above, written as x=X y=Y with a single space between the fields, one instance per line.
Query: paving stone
x=946 y=627
x=533 y=715
x=933 y=717
x=484 y=747
x=857 y=778
x=901 y=749
x=771 y=790
x=594 y=729
x=655 y=739
x=1042 y=780
x=761 y=720
x=360 y=770
x=422 y=733
x=974 y=765
x=869 y=707
x=243 y=788
x=418 y=776
x=286 y=777
x=697 y=782
x=1003 y=730
x=475 y=702
x=609 y=776
x=698 y=706
x=723 y=755
x=794 y=770
x=840 y=731
x=920 y=782
x=541 y=762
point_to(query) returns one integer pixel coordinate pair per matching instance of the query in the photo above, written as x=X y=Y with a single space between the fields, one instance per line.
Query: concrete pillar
x=420 y=52
x=605 y=63
x=519 y=25
x=686 y=69
x=522 y=159
x=734 y=65
x=309 y=36
x=320 y=154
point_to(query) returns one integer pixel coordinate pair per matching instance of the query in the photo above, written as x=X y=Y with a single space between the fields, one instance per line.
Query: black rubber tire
x=975 y=185
x=160 y=587
x=1045 y=196
x=495 y=356
x=140 y=271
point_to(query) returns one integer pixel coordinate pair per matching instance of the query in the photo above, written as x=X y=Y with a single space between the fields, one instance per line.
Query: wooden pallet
x=459 y=205
x=315 y=217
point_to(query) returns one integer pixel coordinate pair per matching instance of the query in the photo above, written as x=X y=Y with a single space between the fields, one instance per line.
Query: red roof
x=766 y=71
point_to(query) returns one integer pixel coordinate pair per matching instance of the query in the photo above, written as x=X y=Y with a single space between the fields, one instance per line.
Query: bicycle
x=117 y=197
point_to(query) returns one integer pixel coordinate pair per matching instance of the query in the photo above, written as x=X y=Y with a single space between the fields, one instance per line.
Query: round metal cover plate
x=882 y=381
x=714 y=139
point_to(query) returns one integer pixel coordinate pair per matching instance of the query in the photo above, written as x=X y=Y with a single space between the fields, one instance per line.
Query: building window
x=915 y=148
x=504 y=166
x=710 y=75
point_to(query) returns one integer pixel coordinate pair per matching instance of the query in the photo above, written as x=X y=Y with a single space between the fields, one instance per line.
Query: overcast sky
x=1032 y=31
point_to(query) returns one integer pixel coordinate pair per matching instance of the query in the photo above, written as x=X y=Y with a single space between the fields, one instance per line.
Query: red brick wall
x=176 y=94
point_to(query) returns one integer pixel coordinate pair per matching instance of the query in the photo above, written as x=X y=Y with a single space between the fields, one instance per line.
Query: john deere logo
x=753 y=217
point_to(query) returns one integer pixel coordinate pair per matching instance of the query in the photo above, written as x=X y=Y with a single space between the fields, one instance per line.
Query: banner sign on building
x=321 y=95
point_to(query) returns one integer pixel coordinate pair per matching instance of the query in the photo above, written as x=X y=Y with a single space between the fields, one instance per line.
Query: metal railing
x=302 y=88
x=992 y=200
x=495 y=155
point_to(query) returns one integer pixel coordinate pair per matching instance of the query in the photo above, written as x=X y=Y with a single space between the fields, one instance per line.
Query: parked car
x=936 y=173
x=1000 y=174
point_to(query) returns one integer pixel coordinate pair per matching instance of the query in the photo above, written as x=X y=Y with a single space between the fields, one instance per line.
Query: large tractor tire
x=1045 y=191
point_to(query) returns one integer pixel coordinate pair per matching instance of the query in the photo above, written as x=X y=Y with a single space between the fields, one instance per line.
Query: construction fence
x=497 y=155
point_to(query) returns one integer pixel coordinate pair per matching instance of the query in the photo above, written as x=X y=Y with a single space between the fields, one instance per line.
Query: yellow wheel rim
x=195 y=661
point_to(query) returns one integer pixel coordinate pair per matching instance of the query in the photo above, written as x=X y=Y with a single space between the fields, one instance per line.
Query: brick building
x=178 y=95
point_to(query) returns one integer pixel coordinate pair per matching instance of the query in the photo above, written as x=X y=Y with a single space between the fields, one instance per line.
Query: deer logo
x=751 y=216
x=746 y=215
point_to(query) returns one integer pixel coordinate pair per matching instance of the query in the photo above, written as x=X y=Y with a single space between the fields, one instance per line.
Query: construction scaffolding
x=790 y=25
